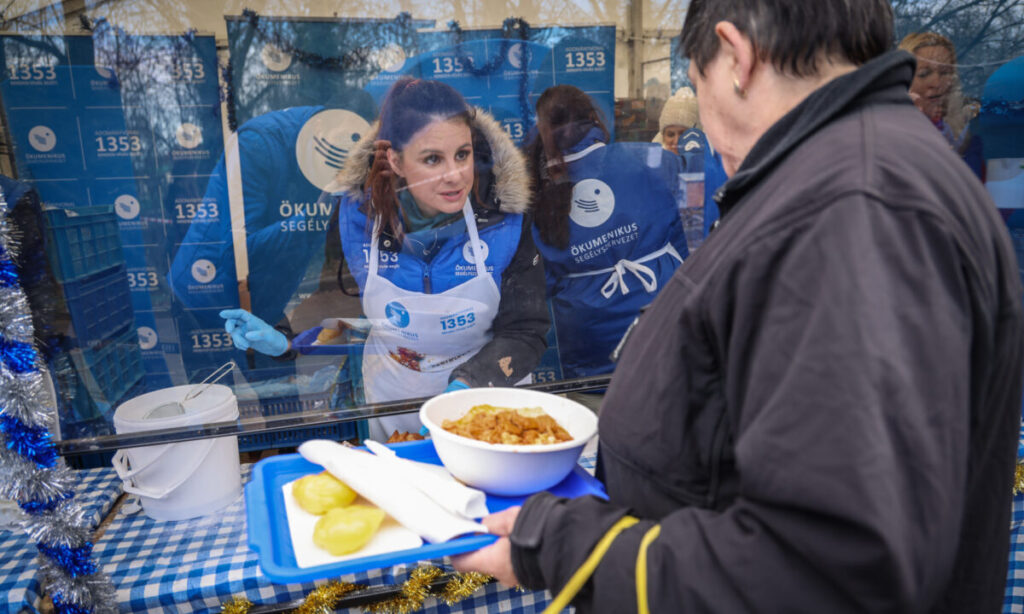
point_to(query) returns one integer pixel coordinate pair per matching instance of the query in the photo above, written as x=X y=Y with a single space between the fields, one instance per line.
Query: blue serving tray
x=268 y=522
x=303 y=344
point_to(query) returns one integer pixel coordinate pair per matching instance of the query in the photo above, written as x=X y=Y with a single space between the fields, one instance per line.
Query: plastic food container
x=505 y=469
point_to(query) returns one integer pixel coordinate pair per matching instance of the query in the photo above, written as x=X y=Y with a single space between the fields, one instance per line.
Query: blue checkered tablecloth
x=198 y=565
x=96 y=491
x=1013 y=600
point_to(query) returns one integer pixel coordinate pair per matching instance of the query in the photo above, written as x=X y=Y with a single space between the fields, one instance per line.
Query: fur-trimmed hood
x=510 y=191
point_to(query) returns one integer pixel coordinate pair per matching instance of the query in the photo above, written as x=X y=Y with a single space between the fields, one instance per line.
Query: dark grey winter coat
x=820 y=411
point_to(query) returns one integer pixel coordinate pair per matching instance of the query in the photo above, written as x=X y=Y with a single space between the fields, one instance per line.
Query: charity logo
x=397 y=314
x=147 y=338
x=390 y=58
x=126 y=206
x=324 y=143
x=592 y=203
x=42 y=138
x=274 y=59
x=515 y=55
x=467 y=251
x=203 y=271
x=104 y=72
x=189 y=135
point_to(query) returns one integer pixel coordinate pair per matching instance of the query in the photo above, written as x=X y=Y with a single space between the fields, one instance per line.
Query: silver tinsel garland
x=30 y=471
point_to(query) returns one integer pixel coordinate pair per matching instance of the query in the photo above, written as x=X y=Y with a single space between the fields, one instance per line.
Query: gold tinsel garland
x=323 y=599
x=414 y=591
x=237 y=605
x=463 y=585
x=1018 y=479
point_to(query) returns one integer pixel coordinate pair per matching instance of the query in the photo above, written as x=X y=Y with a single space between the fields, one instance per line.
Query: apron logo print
x=592 y=203
x=467 y=251
x=409 y=359
x=397 y=314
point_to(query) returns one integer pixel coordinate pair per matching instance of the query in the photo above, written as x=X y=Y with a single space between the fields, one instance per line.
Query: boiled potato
x=347 y=529
x=320 y=492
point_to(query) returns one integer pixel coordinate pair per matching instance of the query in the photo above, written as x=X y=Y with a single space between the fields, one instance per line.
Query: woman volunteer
x=431 y=207
x=607 y=224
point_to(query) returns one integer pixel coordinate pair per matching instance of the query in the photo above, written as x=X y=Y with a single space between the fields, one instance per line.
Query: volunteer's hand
x=456 y=384
x=495 y=559
x=248 y=331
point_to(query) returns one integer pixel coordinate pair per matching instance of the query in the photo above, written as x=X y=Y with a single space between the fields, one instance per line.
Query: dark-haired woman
x=431 y=206
x=606 y=222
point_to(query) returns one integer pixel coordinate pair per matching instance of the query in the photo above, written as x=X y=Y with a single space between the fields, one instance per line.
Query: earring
x=739 y=90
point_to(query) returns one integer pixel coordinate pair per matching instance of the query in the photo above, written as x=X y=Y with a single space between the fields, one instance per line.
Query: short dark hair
x=794 y=35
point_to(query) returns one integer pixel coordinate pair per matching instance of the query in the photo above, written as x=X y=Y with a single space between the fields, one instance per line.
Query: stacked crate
x=101 y=360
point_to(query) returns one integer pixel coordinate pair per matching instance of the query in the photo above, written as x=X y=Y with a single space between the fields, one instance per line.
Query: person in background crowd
x=936 y=91
x=606 y=222
x=432 y=210
x=679 y=129
x=819 y=412
x=681 y=134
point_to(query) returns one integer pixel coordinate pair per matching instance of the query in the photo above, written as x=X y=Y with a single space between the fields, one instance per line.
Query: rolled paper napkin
x=435 y=482
x=383 y=484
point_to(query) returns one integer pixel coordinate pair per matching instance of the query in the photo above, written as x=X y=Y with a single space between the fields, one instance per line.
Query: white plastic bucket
x=180 y=480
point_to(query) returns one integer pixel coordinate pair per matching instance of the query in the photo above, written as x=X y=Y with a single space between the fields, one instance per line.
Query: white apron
x=418 y=339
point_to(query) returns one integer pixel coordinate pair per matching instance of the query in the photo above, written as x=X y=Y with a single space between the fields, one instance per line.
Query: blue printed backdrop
x=128 y=122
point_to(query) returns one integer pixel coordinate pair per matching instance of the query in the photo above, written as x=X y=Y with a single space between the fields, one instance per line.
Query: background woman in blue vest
x=431 y=214
x=679 y=131
x=606 y=222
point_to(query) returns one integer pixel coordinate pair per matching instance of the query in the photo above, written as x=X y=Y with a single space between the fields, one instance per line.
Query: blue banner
x=123 y=121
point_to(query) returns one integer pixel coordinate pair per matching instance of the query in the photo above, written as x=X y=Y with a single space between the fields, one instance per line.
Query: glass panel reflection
x=168 y=162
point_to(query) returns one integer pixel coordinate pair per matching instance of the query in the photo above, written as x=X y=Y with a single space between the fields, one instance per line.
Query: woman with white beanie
x=677 y=116
x=680 y=132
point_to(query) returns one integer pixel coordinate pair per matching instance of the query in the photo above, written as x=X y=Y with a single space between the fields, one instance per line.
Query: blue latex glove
x=248 y=331
x=456 y=385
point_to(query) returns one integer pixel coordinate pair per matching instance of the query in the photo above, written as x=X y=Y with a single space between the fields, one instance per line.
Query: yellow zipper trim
x=641 y=569
x=578 y=579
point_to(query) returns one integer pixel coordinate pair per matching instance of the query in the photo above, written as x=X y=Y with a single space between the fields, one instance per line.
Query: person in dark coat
x=819 y=412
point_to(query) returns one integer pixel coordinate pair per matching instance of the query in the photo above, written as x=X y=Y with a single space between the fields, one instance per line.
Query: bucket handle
x=210 y=380
x=120 y=462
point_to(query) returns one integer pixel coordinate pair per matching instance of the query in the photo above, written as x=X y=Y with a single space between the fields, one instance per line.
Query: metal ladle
x=177 y=408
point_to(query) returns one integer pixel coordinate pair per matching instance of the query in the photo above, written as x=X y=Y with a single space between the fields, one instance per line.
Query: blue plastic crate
x=82 y=241
x=109 y=371
x=294 y=404
x=100 y=306
x=288 y=439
